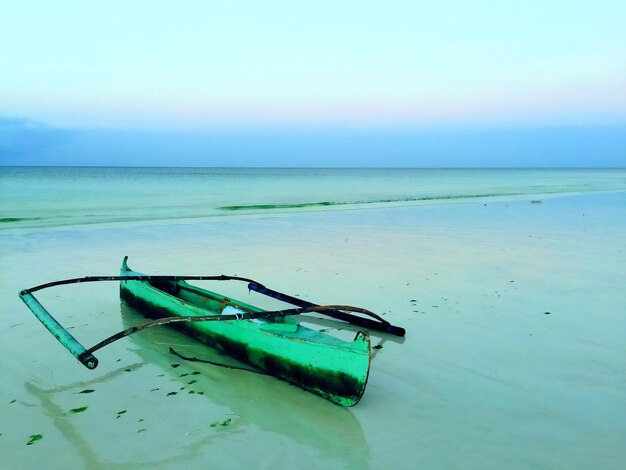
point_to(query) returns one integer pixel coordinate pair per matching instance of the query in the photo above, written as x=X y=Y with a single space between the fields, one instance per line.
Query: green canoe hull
x=335 y=369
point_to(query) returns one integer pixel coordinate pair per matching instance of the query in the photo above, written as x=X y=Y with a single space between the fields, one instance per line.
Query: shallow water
x=46 y=197
x=484 y=378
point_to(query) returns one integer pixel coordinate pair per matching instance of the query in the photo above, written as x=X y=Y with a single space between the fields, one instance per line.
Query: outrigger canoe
x=273 y=341
x=317 y=362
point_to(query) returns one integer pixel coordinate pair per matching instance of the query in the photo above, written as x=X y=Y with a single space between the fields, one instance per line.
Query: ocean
x=55 y=196
x=510 y=284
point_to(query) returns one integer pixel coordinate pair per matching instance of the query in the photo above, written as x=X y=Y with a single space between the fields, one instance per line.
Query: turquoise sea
x=53 y=196
x=510 y=284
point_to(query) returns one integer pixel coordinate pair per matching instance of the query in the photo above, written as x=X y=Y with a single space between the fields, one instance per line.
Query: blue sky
x=439 y=84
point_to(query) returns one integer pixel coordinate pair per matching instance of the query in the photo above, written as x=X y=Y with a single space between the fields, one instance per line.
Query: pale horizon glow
x=202 y=67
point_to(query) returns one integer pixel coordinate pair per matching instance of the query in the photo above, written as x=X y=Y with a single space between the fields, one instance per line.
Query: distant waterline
x=55 y=196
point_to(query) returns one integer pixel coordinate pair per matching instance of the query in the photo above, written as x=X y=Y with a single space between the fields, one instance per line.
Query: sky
x=272 y=83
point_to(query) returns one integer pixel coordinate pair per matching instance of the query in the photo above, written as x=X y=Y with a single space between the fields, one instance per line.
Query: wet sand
x=513 y=356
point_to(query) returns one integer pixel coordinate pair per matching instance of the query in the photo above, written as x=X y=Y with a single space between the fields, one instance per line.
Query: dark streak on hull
x=328 y=384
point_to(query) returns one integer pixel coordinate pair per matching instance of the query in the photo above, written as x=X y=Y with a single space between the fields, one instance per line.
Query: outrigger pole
x=379 y=325
x=86 y=357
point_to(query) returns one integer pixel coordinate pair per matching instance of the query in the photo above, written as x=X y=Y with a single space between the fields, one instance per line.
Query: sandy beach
x=455 y=168
x=513 y=357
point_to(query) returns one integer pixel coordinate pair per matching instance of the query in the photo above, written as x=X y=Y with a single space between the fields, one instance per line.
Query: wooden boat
x=273 y=341
x=322 y=364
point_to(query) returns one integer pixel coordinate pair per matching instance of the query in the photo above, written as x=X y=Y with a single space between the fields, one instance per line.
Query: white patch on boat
x=230 y=310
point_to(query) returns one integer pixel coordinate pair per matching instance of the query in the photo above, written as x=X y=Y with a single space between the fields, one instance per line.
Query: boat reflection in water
x=146 y=406
x=277 y=413
x=163 y=410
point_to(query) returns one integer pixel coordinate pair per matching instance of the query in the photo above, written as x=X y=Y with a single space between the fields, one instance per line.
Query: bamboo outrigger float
x=273 y=341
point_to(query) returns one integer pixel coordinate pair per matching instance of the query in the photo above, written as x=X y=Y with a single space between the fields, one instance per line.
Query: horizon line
x=329 y=167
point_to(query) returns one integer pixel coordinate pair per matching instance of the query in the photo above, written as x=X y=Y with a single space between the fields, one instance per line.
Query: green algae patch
x=281 y=206
x=304 y=205
x=73 y=411
x=224 y=423
x=34 y=438
x=4 y=220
